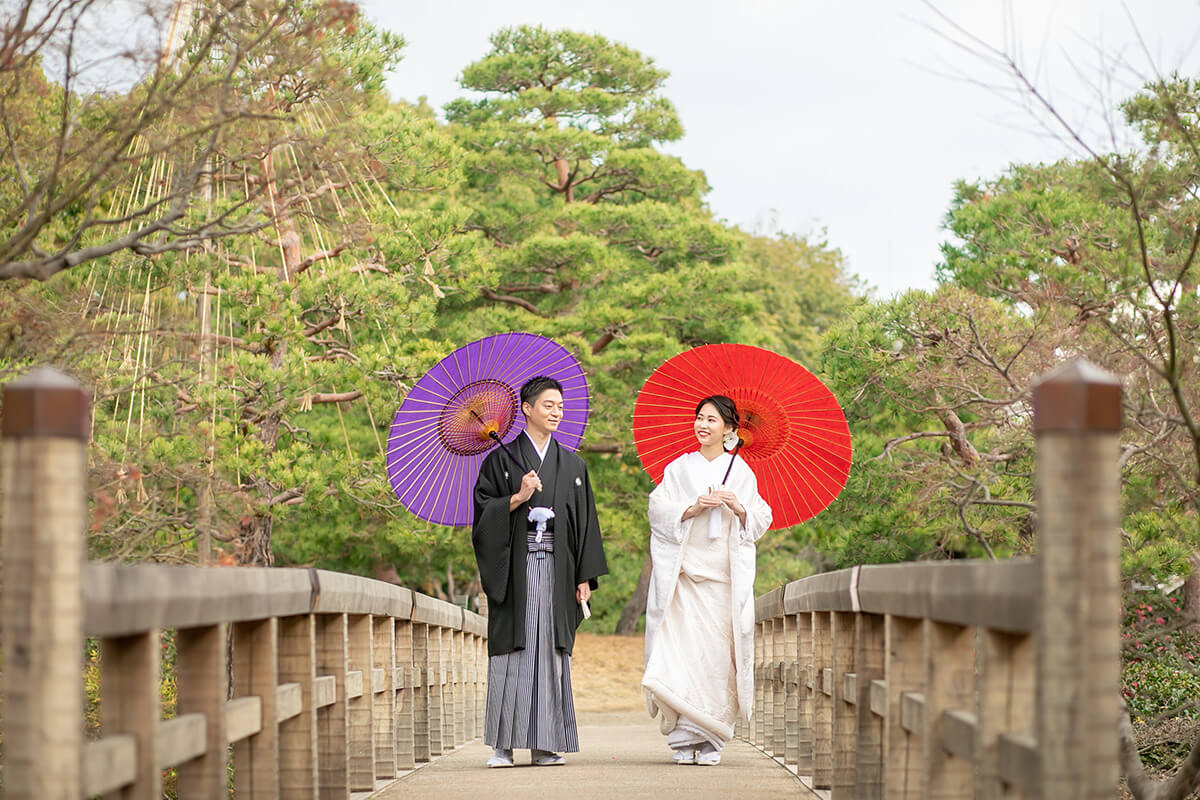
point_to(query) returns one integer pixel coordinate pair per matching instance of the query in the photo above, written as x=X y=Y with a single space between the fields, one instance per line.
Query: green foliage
x=934 y=389
x=1159 y=678
x=388 y=240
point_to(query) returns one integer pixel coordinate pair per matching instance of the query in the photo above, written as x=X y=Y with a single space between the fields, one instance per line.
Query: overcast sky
x=848 y=121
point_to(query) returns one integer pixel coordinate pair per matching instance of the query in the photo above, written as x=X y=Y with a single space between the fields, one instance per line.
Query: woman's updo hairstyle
x=725 y=407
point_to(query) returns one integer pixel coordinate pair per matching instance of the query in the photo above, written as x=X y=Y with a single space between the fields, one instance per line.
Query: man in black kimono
x=537 y=543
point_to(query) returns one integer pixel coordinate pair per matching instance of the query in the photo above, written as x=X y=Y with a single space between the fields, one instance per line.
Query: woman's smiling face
x=709 y=426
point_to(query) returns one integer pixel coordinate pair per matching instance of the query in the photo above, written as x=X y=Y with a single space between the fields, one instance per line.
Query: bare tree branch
x=488 y=294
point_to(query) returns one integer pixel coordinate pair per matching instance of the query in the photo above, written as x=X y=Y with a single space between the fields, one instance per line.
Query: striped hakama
x=529 y=703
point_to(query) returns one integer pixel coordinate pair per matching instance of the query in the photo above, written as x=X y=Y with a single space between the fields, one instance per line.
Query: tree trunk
x=1191 y=596
x=254 y=534
x=627 y=624
x=254 y=542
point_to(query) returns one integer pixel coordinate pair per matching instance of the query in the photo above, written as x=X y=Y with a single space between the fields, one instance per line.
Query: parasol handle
x=496 y=438
x=729 y=469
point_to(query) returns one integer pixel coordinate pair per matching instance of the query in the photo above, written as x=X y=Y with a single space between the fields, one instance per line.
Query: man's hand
x=530 y=483
x=583 y=593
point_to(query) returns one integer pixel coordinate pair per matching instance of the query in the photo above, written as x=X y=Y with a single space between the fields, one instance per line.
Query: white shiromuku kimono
x=700 y=609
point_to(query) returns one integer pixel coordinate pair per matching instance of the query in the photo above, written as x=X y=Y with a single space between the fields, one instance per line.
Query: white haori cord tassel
x=540 y=515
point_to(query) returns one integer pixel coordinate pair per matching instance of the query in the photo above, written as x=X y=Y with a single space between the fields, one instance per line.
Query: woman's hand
x=703 y=503
x=730 y=501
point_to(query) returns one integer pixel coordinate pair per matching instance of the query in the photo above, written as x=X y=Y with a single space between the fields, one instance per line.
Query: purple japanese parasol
x=462 y=407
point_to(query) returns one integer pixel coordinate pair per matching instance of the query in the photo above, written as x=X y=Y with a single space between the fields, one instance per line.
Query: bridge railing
x=971 y=678
x=305 y=682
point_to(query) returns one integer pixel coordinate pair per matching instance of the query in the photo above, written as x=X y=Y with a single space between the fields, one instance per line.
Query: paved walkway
x=622 y=755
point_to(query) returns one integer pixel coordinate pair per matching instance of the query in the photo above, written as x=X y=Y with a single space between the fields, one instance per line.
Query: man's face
x=545 y=412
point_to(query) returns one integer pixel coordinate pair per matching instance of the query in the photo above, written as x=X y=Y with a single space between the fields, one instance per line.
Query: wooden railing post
x=767 y=683
x=1005 y=703
x=470 y=664
x=45 y=431
x=791 y=692
x=298 y=734
x=805 y=700
x=333 y=747
x=360 y=710
x=422 y=665
x=779 y=664
x=1077 y=419
x=822 y=773
x=868 y=667
x=436 y=671
x=758 y=729
x=844 y=715
x=405 y=697
x=904 y=750
x=200 y=676
x=460 y=688
x=130 y=704
x=383 y=649
x=481 y=672
x=256 y=674
x=949 y=689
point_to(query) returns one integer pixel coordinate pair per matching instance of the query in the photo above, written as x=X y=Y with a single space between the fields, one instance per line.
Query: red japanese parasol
x=794 y=433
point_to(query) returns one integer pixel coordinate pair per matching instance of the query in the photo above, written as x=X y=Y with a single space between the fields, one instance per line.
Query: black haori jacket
x=499 y=537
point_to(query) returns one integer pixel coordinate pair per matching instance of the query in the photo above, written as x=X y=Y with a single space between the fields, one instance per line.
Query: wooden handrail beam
x=181 y=739
x=243 y=718
x=324 y=691
x=958 y=733
x=109 y=764
x=288 y=701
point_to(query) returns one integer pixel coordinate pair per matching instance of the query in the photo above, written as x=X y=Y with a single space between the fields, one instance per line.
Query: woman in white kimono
x=700 y=610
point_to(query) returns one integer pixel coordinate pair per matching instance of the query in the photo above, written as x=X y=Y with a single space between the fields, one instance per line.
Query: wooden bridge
x=921 y=680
